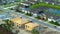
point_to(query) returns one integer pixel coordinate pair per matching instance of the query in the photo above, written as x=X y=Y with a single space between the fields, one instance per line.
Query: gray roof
x=21 y=5
x=26 y=2
x=32 y=0
x=49 y=14
x=49 y=0
x=36 y=10
x=58 y=20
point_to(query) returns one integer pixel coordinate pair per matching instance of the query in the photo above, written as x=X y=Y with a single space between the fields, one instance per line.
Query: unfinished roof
x=19 y=20
x=16 y=19
x=24 y=21
x=33 y=25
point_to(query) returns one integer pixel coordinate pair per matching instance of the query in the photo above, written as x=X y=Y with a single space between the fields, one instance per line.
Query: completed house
x=0 y=1
x=6 y=1
x=53 y=2
x=34 y=1
x=58 y=2
x=38 y=11
x=25 y=3
x=23 y=8
x=51 y=16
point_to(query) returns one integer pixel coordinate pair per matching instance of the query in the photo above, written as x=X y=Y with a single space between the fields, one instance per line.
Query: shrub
x=34 y=31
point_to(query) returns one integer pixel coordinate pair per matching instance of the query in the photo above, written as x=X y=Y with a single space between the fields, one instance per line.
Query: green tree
x=8 y=25
x=38 y=17
x=34 y=31
x=29 y=14
x=55 y=23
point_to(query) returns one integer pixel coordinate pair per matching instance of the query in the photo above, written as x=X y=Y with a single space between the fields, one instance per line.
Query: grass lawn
x=1 y=11
x=1 y=32
x=22 y=12
x=37 y=17
x=45 y=5
x=34 y=31
x=28 y=14
x=54 y=23
x=57 y=14
x=53 y=13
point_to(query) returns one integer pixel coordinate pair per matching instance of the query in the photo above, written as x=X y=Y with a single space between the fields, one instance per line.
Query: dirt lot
x=4 y=31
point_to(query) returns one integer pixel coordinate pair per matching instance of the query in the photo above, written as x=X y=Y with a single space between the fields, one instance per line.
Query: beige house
x=31 y=26
x=19 y=22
